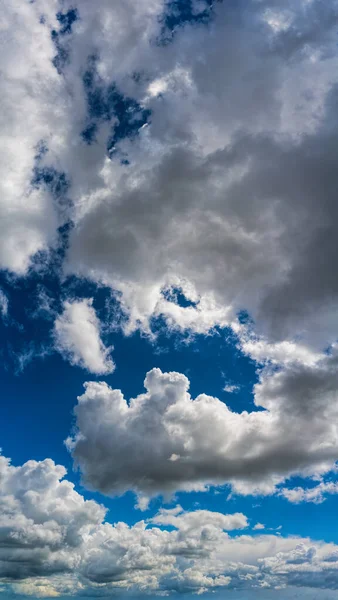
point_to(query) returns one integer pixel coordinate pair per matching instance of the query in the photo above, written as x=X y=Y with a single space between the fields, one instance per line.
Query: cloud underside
x=53 y=542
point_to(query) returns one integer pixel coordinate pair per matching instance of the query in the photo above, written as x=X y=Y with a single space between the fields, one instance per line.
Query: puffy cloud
x=191 y=520
x=43 y=520
x=316 y=494
x=77 y=336
x=164 y=440
x=231 y=184
x=258 y=526
x=33 y=107
x=233 y=111
x=53 y=542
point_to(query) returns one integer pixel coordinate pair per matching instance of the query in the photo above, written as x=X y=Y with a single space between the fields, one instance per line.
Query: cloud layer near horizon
x=53 y=542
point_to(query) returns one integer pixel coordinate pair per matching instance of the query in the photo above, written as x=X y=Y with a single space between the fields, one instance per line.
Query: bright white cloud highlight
x=77 y=335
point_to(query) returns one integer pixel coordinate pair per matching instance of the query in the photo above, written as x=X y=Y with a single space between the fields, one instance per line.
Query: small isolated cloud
x=77 y=337
x=258 y=526
x=3 y=304
x=231 y=389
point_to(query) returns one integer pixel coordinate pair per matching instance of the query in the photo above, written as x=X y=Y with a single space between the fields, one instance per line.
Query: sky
x=169 y=299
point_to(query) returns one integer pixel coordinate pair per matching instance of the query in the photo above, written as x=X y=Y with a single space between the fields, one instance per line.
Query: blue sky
x=168 y=299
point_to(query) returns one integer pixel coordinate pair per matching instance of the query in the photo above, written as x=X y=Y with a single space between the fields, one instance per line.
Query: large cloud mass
x=231 y=184
x=164 y=440
x=53 y=542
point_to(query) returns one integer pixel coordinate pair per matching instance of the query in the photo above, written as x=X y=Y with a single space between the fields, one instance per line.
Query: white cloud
x=55 y=543
x=207 y=190
x=258 y=526
x=42 y=520
x=3 y=304
x=77 y=335
x=316 y=494
x=166 y=441
x=231 y=388
x=184 y=520
x=32 y=111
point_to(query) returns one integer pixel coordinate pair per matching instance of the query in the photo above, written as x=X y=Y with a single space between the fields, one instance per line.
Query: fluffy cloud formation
x=32 y=113
x=77 y=335
x=316 y=494
x=42 y=520
x=164 y=440
x=53 y=542
x=232 y=182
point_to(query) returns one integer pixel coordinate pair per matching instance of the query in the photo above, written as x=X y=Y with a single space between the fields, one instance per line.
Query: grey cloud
x=233 y=184
x=163 y=440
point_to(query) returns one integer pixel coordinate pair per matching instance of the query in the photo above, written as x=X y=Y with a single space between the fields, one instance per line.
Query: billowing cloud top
x=164 y=440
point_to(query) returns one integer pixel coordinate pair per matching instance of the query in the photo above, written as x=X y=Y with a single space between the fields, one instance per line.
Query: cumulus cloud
x=316 y=494
x=77 y=335
x=234 y=110
x=204 y=185
x=33 y=110
x=164 y=440
x=42 y=520
x=53 y=542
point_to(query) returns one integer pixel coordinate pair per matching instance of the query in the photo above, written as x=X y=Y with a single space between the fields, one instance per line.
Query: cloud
x=231 y=183
x=42 y=520
x=258 y=526
x=183 y=520
x=231 y=389
x=3 y=305
x=33 y=109
x=77 y=337
x=206 y=187
x=163 y=440
x=55 y=543
x=316 y=494
x=204 y=184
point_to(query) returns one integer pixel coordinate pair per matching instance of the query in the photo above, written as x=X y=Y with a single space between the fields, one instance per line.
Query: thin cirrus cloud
x=77 y=337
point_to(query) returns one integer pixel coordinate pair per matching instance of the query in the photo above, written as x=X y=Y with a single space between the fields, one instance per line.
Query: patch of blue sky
x=107 y=103
x=178 y=13
x=66 y=20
